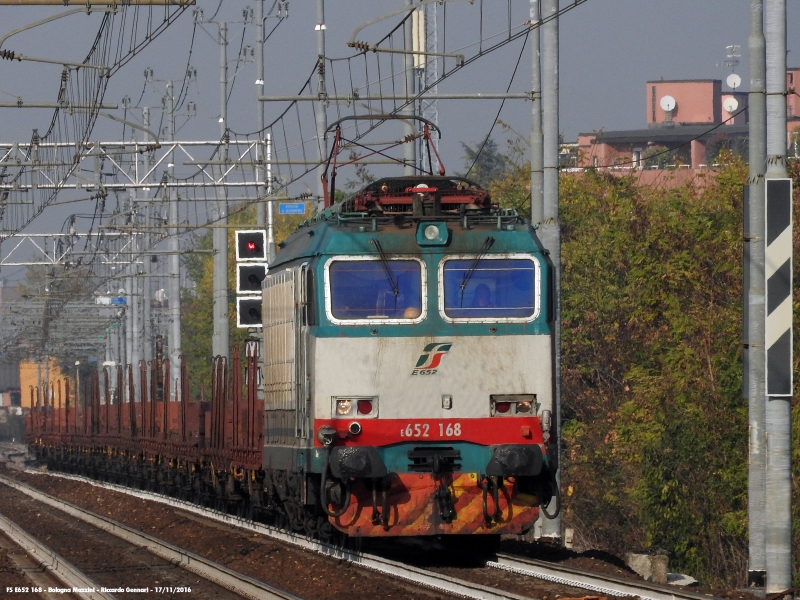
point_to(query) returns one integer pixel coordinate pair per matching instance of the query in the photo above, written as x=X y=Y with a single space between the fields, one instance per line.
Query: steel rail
x=209 y=570
x=601 y=583
x=579 y=578
x=62 y=570
x=421 y=577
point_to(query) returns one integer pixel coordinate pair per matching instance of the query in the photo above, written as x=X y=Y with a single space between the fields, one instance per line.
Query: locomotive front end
x=446 y=435
x=431 y=379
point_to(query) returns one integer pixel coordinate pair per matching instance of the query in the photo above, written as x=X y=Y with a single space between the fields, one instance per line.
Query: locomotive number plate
x=423 y=430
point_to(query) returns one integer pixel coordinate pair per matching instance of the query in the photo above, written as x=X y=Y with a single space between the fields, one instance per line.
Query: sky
x=609 y=49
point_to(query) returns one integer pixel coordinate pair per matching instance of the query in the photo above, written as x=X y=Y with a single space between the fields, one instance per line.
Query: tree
x=485 y=163
x=662 y=157
x=363 y=174
x=652 y=374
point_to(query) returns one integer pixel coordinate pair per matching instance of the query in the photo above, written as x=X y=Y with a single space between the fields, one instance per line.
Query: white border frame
x=239 y=300
x=537 y=285
x=250 y=263
x=263 y=233
x=349 y=258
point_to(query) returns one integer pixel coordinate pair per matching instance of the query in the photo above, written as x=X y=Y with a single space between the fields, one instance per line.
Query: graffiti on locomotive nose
x=430 y=358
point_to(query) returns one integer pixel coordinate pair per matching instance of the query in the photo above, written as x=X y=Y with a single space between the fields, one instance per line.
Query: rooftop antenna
x=733 y=81
x=733 y=54
x=668 y=104
x=730 y=104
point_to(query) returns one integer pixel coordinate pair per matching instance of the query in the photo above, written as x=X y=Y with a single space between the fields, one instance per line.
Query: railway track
x=445 y=584
x=601 y=584
x=216 y=578
x=30 y=566
x=579 y=579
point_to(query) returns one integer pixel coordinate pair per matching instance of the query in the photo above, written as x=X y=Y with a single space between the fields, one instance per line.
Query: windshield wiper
x=468 y=275
x=385 y=263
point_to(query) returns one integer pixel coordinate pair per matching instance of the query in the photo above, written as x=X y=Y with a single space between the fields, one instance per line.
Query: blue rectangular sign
x=292 y=208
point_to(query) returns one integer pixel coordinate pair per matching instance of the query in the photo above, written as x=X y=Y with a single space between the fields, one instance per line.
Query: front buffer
x=436 y=487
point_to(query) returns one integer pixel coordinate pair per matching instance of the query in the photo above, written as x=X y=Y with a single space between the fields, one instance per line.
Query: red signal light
x=364 y=407
x=502 y=407
x=251 y=246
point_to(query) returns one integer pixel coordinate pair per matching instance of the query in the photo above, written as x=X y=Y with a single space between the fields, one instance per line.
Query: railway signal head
x=251 y=245
x=249 y=277
x=248 y=311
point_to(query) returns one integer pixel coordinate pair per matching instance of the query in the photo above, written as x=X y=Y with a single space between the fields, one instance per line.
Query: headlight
x=350 y=406
x=431 y=232
x=512 y=404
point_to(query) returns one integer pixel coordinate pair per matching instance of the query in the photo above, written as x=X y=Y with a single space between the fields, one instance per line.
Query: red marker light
x=502 y=407
x=251 y=246
x=364 y=407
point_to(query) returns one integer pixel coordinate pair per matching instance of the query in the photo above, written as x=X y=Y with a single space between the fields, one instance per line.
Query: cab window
x=375 y=290
x=490 y=288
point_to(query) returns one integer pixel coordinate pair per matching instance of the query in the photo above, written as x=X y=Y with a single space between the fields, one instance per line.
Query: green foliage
x=654 y=424
x=485 y=163
x=363 y=176
x=507 y=175
x=652 y=369
x=721 y=145
x=513 y=188
x=794 y=172
x=662 y=157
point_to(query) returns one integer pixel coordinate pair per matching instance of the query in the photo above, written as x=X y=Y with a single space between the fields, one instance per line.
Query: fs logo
x=431 y=357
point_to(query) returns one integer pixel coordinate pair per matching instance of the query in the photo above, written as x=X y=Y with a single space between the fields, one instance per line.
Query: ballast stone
x=651 y=567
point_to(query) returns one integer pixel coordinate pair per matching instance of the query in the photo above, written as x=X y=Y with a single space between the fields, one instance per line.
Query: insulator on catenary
x=359 y=45
x=9 y=55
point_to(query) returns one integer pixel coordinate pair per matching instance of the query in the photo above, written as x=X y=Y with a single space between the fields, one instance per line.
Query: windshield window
x=364 y=290
x=492 y=288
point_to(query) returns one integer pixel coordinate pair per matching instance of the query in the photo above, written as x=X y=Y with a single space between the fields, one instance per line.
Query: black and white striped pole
x=778 y=329
x=778 y=274
x=778 y=338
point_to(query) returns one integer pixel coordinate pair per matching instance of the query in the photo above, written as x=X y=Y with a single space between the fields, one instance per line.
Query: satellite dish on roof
x=733 y=81
x=730 y=104
x=668 y=103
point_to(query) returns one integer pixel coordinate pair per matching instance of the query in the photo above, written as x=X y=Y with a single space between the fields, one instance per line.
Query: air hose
x=324 y=491
x=491 y=482
x=556 y=496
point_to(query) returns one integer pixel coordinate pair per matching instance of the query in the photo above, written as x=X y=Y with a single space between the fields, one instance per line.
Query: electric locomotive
x=408 y=364
x=407 y=380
